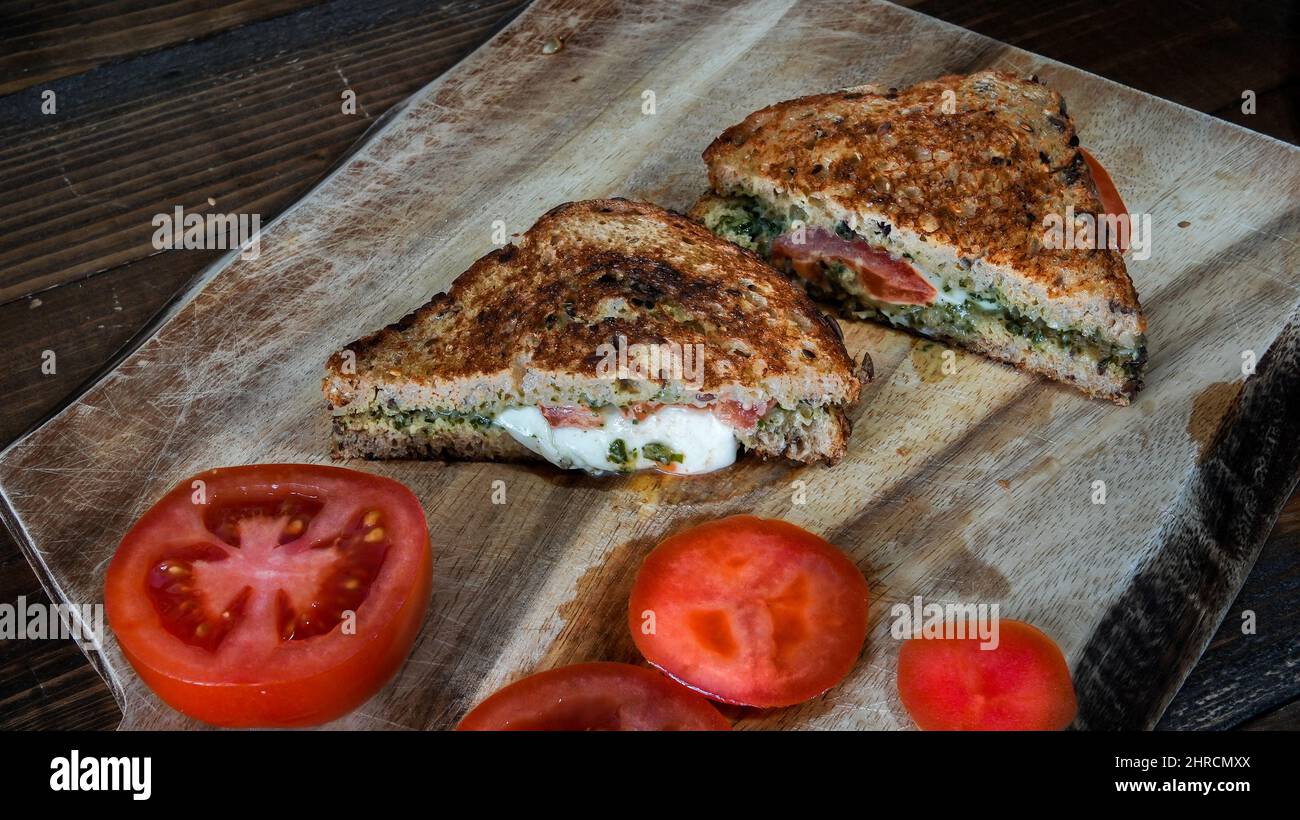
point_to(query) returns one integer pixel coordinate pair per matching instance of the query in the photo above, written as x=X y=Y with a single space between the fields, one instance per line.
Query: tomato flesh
x=594 y=697
x=641 y=410
x=750 y=611
x=740 y=417
x=883 y=277
x=275 y=595
x=1111 y=201
x=950 y=684
x=572 y=416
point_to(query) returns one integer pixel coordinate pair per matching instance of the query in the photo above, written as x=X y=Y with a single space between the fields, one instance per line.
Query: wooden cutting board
x=976 y=486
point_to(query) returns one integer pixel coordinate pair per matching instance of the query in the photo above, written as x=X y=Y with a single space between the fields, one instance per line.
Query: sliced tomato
x=884 y=278
x=641 y=410
x=271 y=595
x=954 y=684
x=807 y=267
x=1111 y=201
x=750 y=611
x=739 y=416
x=572 y=416
x=732 y=413
x=594 y=696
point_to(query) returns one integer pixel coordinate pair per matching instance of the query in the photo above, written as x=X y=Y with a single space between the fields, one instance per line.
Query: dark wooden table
x=229 y=105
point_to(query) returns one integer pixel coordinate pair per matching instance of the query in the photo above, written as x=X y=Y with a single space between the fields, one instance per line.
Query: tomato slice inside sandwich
x=750 y=611
x=271 y=595
x=1111 y=202
x=884 y=277
x=1022 y=683
x=594 y=696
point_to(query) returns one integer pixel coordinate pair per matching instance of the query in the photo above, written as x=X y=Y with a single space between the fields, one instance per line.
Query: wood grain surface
x=983 y=495
x=89 y=321
x=49 y=686
x=46 y=41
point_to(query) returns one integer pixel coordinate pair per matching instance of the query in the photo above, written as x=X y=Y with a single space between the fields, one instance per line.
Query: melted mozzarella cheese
x=952 y=296
x=704 y=442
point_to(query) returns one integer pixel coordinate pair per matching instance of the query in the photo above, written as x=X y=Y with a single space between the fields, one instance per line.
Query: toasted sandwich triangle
x=564 y=319
x=957 y=177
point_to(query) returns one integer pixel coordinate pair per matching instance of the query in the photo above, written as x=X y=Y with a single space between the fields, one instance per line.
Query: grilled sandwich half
x=926 y=208
x=614 y=336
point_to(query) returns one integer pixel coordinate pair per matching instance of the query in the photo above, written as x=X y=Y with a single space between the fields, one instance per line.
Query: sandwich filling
x=670 y=438
x=682 y=440
x=870 y=280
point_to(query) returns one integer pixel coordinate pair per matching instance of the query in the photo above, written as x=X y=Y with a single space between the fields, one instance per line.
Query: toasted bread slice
x=542 y=325
x=953 y=179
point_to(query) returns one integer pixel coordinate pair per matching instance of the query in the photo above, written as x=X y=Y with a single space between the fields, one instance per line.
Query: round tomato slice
x=953 y=684
x=750 y=611
x=271 y=595
x=1111 y=201
x=594 y=696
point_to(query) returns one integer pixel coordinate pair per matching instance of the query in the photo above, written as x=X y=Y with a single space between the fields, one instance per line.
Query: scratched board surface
x=973 y=486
